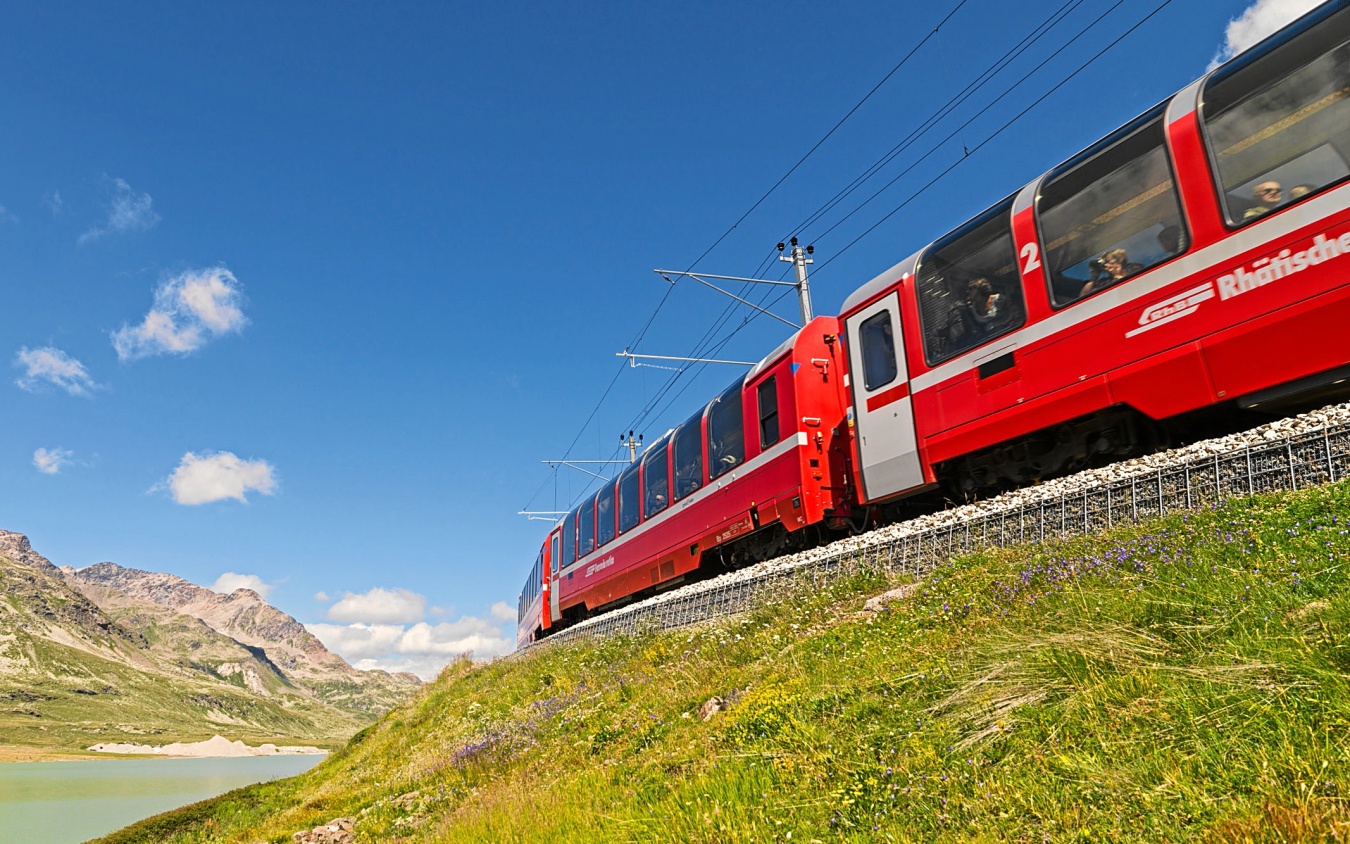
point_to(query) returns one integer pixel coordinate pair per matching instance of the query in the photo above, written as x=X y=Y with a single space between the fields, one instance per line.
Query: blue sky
x=304 y=295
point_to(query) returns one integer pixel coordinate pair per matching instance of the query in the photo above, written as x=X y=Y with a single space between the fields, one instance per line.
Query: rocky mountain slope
x=106 y=653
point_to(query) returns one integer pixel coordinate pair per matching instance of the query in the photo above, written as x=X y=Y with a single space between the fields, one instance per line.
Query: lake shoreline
x=13 y=753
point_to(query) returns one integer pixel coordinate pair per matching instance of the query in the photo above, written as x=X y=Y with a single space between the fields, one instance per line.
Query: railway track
x=1300 y=451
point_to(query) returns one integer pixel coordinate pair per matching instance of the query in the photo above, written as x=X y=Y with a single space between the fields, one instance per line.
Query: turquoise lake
x=71 y=802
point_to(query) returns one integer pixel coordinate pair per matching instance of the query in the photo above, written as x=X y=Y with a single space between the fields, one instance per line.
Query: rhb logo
x=600 y=566
x=1173 y=308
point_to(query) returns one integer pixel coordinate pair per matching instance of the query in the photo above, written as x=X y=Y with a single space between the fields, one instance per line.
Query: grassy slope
x=1181 y=680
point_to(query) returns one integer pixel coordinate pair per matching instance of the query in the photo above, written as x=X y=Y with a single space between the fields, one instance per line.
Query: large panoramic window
x=586 y=529
x=1278 y=123
x=1112 y=216
x=656 y=480
x=604 y=515
x=969 y=288
x=629 y=515
x=569 y=547
x=726 y=432
x=688 y=457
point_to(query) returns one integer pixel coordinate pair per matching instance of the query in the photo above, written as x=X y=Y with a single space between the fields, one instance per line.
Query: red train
x=1196 y=258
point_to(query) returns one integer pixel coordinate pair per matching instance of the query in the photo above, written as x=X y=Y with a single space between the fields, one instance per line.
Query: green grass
x=1181 y=680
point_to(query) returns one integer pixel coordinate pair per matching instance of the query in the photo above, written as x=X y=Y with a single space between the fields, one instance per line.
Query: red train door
x=888 y=451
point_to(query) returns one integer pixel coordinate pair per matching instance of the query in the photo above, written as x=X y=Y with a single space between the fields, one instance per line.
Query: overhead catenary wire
x=944 y=172
x=701 y=347
x=995 y=133
x=1056 y=17
x=641 y=333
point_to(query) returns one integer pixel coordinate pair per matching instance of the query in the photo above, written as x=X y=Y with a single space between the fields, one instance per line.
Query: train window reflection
x=604 y=515
x=1278 y=125
x=628 y=499
x=726 y=432
x=656 y=480
x=688 y=457
x=586 y=529
x=1112 y=216
x=569 y=546
x=968 y=287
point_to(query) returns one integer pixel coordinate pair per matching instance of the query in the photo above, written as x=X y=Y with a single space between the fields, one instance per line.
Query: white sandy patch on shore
x=213 y=747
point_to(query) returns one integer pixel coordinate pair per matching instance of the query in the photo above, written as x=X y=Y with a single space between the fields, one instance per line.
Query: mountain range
x=107 y=653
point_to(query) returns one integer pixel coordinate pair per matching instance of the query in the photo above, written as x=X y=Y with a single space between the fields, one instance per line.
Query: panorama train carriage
x=1197 y=256
x=529 y=607
x=738 y=482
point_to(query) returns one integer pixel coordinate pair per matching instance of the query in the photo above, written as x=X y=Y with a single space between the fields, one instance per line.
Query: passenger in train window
x=1268 y=195
x=1114 y=265
x=1299 y=191
x=979 y=317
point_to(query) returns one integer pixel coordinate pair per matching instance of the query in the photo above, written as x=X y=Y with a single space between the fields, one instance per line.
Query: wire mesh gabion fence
x=1292 y=461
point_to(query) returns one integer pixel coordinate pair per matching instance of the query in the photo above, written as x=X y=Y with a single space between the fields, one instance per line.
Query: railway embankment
x=1181 y=678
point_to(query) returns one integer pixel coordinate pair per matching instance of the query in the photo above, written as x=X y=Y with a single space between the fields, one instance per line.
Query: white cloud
x=391 y=606
x=424 y=649
x=503 y=611
x=53 y=202
x=321 y=596
x=358 y=641
x=127 y=212
x=190 y=309
x=217 y=476
x=49 y=461
x=452 y=638
x=1256 y=22
x=229 y=581
x=50 y=365
x=7 y=216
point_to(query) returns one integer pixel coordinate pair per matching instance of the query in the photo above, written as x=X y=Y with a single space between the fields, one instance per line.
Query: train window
x=726 y=432
x=656 y=480
x=968 y=288
x=569 y=546
x=628 y=499
x=586 y=529
x=767 y=393
x=1278 y=124
x=688 y=456
x=604 y=515
x=1112 y=216
x=876 y=338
